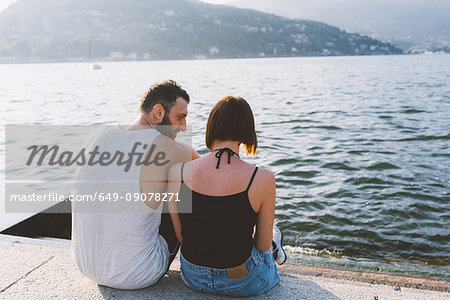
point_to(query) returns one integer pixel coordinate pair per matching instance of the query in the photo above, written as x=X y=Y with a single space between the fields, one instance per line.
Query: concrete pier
x=44 y=269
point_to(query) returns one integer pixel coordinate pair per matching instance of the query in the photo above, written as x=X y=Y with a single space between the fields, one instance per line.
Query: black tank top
x=218 y=232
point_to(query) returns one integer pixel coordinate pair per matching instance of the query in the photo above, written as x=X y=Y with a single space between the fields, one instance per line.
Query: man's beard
x=165 y=127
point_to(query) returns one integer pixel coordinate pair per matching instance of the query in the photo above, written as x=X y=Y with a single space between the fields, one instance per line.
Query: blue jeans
x=262 y=276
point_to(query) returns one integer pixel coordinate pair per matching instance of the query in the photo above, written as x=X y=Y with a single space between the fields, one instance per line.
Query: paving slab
x=16 y=260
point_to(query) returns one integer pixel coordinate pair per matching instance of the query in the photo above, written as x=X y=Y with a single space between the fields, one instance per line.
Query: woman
x=220 y=253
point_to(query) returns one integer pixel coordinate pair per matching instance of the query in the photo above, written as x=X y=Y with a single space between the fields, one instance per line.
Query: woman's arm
x=265 y=190
x=173 y=186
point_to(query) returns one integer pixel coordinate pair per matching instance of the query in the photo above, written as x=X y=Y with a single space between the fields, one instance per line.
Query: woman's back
x=220 y=251
x=229 y=178
x=218 y=232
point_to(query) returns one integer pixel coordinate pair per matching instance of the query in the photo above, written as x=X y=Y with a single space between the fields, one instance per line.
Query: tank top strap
x=182 y=167
x=251 y=180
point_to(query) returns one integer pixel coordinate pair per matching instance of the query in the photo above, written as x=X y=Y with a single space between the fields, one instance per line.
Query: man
x=117 y=239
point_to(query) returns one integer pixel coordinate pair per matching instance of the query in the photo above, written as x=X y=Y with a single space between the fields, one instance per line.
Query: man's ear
x=158 y=112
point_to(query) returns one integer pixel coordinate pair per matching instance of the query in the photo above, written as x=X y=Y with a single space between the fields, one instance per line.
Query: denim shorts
x=262 y=276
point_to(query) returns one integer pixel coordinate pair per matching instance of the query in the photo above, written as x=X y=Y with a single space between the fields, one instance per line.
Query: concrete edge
x=372 y=277
x=51 y=242
x=384 y=278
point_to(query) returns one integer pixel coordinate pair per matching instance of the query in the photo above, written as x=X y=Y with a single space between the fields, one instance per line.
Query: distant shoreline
x=206 y=59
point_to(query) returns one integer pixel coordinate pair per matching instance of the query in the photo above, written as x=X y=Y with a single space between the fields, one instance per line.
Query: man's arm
x=154 y=177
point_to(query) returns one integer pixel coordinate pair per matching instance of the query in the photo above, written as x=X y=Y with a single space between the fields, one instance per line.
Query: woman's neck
x=233 y=145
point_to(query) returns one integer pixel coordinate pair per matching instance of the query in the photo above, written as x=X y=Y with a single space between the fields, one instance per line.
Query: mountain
x=58 y=30
x=405 y=22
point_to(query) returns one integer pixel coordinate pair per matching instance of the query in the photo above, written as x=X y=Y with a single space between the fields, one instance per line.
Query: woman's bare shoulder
x=264 y=181
x=265 y=175
x=263 y=189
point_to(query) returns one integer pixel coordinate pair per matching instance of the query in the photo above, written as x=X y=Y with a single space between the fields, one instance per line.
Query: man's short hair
x=165 y=93
x=232 y=119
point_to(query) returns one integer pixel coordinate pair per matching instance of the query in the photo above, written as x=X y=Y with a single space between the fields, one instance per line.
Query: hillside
x=59 y=30
x=406 y=22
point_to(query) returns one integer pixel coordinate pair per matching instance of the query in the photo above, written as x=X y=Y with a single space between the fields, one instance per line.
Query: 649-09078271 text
x=101 y=197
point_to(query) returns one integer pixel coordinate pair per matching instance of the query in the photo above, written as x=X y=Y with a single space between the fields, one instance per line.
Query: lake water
x=359 y=145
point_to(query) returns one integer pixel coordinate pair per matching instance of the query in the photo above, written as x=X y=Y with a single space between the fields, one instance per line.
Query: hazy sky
x=4 y=4
x=213 y=1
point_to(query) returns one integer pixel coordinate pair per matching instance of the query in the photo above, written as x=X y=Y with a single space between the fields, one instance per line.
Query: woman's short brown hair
x=231 y=119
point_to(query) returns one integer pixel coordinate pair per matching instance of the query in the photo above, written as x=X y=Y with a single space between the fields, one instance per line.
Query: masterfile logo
x=96 y=167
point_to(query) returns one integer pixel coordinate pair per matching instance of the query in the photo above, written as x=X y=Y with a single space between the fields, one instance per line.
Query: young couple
x=228 y=242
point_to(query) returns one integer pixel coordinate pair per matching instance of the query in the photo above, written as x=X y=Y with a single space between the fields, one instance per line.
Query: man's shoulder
x=164 y=140
x=173 y=148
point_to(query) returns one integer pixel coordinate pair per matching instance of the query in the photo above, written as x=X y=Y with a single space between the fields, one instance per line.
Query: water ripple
x=382 y=166
x=339 y=166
